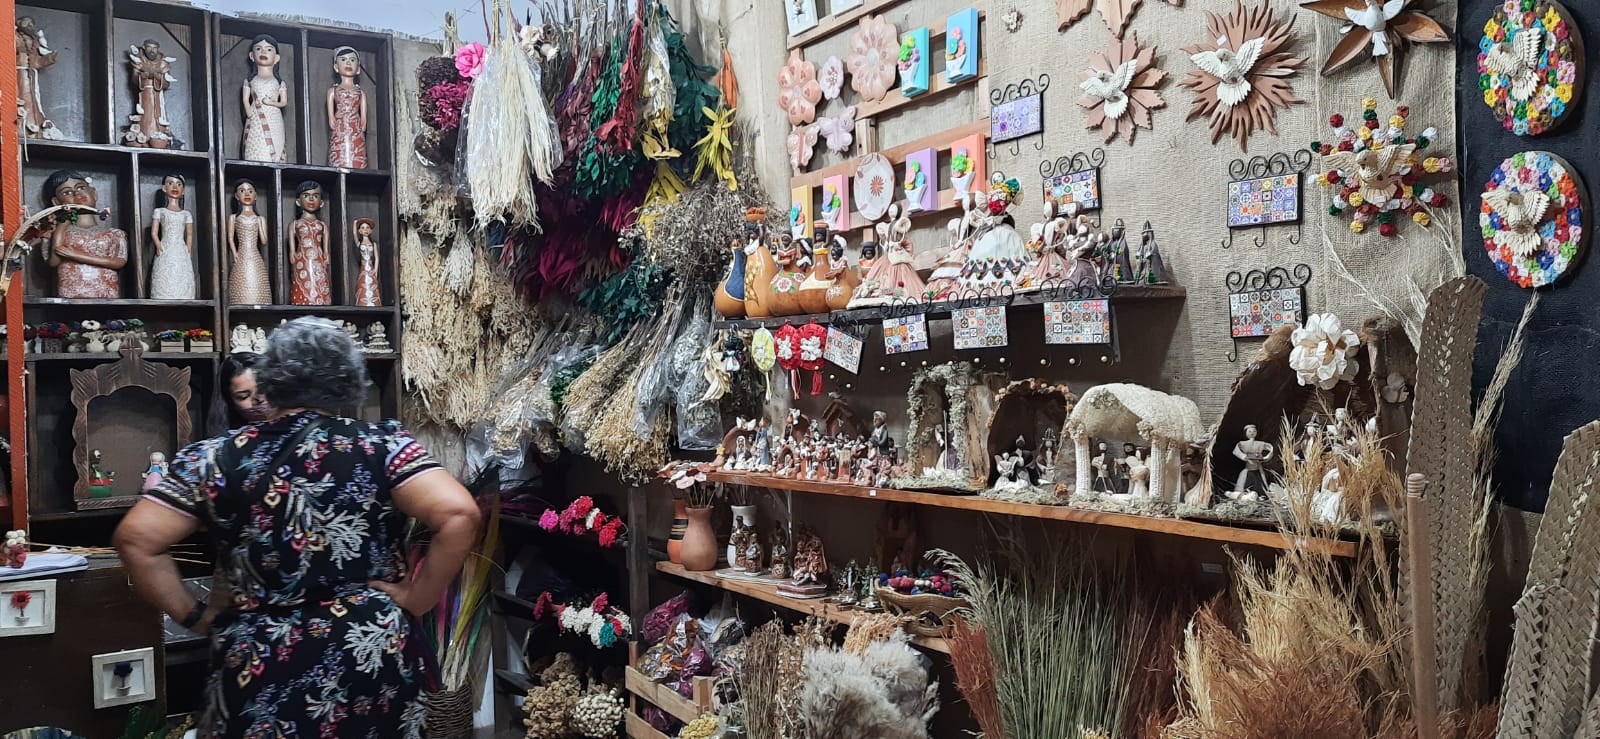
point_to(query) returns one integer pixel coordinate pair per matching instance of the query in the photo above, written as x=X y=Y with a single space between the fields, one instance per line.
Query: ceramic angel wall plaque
x=913 y=62
x=1530 y=66
x=34 y=55
x=961 y=40
x=1243 y=71
x=1378 y=30
x=1534 y=218
x=874 y=57
x=1119 y=89
x=152 y=77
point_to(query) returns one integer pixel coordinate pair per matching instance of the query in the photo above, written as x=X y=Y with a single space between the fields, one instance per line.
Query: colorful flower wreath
x=582 y=517
x=603 y=624
x=1380 y=171
x=1538 y=197
x=1529 y=63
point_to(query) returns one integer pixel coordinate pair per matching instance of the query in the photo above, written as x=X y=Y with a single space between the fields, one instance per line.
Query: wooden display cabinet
x=88 y=93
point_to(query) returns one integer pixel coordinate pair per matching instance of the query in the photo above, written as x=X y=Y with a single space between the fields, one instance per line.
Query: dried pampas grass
x=510 y=136
x=883 y=692
x=974 y=666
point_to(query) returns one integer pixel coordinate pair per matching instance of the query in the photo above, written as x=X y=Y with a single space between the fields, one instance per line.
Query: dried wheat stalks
x=974 y=667
x=758 y=681
x=866 y=628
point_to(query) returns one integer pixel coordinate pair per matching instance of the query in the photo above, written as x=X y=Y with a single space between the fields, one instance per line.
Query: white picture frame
x=40 y=615
x=801 y=14
x=141 y=682
x=839 y=6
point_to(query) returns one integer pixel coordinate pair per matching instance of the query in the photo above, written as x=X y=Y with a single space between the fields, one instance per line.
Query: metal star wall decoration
x=1378 y=30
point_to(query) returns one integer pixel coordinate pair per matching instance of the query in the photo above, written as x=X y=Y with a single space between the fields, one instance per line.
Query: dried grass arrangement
x=690 y=234
x=969 y=655
x=632 y=426
x=771 y=678
x=882 y=692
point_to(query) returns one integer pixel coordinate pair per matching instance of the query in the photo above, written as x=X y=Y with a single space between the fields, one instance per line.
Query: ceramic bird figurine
x=1375 y=18
x=1111 y=87
x=1376 y=169
x=1522 y=211
x=1231 y=67
x=1517 y=58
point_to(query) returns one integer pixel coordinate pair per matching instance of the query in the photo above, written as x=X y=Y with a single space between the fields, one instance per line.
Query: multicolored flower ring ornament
x=1382 y=173
x=1530 y=65
x=1533 y=218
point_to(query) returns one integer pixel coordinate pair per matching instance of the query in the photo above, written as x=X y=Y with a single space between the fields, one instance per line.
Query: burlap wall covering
x=1554 y=390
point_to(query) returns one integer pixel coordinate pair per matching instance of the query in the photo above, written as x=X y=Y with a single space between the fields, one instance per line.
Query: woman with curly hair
x=306 y=512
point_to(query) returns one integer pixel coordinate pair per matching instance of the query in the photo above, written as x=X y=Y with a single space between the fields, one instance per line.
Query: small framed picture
x=802 y=15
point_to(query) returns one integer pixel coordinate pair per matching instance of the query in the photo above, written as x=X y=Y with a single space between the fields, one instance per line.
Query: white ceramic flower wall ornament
x=1232 y=67
x=1324 y=353
x=830 y=76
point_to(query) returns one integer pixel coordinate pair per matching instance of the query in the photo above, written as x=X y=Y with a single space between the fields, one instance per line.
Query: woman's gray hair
x=312 y=363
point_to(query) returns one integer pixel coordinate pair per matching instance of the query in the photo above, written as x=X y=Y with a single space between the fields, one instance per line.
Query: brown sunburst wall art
x=1119 y=89
x=1378 y=31
x=1243 y=71
x=1116 y=13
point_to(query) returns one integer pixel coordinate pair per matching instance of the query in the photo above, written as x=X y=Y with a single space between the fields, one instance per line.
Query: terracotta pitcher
x=699 y=548
x=813 y=292
x=680 y=523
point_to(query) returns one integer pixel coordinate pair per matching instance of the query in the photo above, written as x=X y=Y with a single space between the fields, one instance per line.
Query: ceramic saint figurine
x=347 y=112
x=751 y=552
x=1117 y=258
x=1138 y=474
x=368 y=293
x=1044 y=463
x=240 y=339
x=761 y=448
x=85 y=252
x=810 y=570
x=779 y=561
x=1255 y=454
x=1150 y=268
x=248 y=283
x=312 y=283
x=265 y=97
x=172 y=232
x=152 y=77
x=33 y=55
x=893 y=277
x=1103 y=465
x=867 y=598
x=156 y=471
x=378 y=339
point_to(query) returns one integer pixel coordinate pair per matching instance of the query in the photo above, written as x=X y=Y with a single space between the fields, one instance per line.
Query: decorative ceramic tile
x=921 y=181
x=1078 y=322
x=835 y=210
x=1258 y=313
x=1014 y=119
x=961 y=46
x=843 y=350
x=1081 y=187
x=1264 y=201
x=905 y=334
x=979 y=328
x=914 y=62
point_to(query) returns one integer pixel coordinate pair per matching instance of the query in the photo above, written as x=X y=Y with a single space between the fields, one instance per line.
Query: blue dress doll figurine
x=157 y=471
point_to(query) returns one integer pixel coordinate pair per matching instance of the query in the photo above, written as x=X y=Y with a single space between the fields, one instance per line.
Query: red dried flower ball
x=1388 y=230
x=1336 y=120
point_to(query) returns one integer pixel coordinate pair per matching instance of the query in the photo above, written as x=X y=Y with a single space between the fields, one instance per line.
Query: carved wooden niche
x=116 y=399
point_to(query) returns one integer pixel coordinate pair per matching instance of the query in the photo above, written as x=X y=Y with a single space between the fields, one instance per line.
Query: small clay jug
x=699 y=550
x=680 y=522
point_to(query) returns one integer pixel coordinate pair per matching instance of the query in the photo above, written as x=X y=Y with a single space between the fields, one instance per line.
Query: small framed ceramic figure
x=800 y=212
x=913 y=62
x=836 y=203
x=967 y=159
x=961 y=46
x=921 y=182
x=802 y=15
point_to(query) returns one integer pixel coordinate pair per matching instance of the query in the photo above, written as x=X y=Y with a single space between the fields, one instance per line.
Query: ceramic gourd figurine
x=85 y=252
x=312 y=283
x=265 y=96
x=846 y=277
x=759 y=266
x=172 y=233
x=729 y=297
x=152 y=76
x=813 y=292
x=248 y=283
x=786 y=281
x=368 y=294
x=347 y=112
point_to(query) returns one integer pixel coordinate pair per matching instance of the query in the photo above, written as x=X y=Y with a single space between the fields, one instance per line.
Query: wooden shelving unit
x=1167 y=526
x=1126 y=294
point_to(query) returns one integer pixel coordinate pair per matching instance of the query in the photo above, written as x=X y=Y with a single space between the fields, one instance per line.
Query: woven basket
x=450 y=712
x=924 y=614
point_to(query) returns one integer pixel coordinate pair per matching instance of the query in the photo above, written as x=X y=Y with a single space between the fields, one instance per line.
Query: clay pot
x=699 y=549
x=680 y=523
x=813 y=293
x=747 y=513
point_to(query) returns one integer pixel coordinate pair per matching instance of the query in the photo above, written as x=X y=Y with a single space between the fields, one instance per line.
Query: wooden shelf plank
x=33 y=300
x=113 y=356
x=311 y=310
x=895 y=154
x=1126 y=294
x=638 y=728
x=667 y=699
x=767 y=592
x=1170 y=526
x=835 y=23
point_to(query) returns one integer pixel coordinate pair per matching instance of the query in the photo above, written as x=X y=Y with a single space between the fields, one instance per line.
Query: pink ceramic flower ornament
x=798 y=91
x=831 y=77
x=874 y=52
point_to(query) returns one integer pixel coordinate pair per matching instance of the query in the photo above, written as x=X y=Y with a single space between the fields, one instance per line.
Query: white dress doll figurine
x=999 y=255
x=265 y=96
x=157 y=471
x=172 y=232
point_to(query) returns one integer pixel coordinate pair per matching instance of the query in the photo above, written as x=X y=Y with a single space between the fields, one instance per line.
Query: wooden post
x=11 y=216
x=639 y=564
x=1419 y=572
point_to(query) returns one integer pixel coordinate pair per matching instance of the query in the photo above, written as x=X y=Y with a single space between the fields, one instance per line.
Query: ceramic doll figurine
x=367 y=291
x=312 y=284
x=945 y=281
x=152 y=76
x=762 y=448
x=999 y=254
x=1117 y=256
x=1138 y=472
x=1255 y=454
x=729 y=297
x=347 y=112
x=378 y=339
x=1103 y=465
x=790 y=273
x=1083 y=243
x=893 y=278
x=33 y=56
x=1050 y=267
x=85 y=252
x=813 y=291
x=156 y=471
x=962 y=172
x=172 y=232
x=1044 y=463
x=779 y=560
x=265 y=96
x=846 y=277
x=248 y=283
x=1151 y=269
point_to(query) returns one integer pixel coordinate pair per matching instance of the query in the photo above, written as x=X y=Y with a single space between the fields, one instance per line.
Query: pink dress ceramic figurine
x=265 y=97
x=312 y=283
x=1048 y=267
x=367 y=291
x=248 y=283
x=347 y=112
x=892 y=277
x=85 y=252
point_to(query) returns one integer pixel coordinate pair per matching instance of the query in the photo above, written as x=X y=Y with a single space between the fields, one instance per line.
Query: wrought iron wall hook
x=1266 y=190
x=1017 y=103
x=1262 y=300
x=1261 y=237
x=1233 y=354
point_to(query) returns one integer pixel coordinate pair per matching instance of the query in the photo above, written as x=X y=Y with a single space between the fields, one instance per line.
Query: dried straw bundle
x=588 y=395
x=631 y=430
x=883 y=692
x=758 y=681
x=970 y=656
x=510 y=136
x=867 y=628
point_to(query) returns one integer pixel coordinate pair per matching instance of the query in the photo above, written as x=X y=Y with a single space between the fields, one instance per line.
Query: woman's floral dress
x=309 y=649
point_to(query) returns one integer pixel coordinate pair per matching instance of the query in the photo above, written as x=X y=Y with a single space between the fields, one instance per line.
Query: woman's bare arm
x=143 y=542
x=441 y=504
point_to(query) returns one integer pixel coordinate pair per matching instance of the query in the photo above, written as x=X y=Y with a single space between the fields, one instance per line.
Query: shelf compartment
x=1125 y=294
x=1170 y=526
x=667 y=699
x=767 y=592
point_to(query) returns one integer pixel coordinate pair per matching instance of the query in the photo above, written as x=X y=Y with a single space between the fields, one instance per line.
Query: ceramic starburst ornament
x=1530 y=65
x=1243 y=71
x=1119 y=89
x=1378 y=30
x=1116 y=13
x=798 y=90
x=1533 y=218
x=1382 y=173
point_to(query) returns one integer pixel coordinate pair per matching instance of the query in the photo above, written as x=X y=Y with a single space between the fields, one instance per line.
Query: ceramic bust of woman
x=312 y=283
x=248 y=283
x=265 y=97
x=347 y=113
x=367 y=291
x=172 y=232
x=85 y=252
